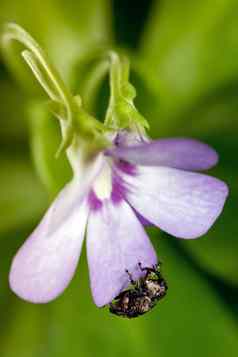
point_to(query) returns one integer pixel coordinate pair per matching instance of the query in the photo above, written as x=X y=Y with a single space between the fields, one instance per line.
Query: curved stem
x=35 y=56
x=31 y=60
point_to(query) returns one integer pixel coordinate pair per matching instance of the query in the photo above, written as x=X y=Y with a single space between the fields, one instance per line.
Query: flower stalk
x=74 y=120
x=67 y=108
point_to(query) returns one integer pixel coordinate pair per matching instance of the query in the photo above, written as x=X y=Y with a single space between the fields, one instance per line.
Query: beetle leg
x=147 y=269
x=130 y=277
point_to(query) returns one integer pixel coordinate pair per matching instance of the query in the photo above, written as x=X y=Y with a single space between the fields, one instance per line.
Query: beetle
x=142 y=295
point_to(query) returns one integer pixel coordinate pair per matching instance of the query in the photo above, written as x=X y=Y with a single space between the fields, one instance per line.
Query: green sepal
x=139 y=119
x=122 y=112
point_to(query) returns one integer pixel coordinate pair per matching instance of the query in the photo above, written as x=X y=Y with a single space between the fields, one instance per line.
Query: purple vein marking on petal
x=119 y=188
x=126 y=167
x=94 y=202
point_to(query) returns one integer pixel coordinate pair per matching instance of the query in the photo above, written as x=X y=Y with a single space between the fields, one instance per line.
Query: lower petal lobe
x=45 y=264
x=116 y=241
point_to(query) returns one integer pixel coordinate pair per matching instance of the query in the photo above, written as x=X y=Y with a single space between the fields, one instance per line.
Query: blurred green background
x=184 y=56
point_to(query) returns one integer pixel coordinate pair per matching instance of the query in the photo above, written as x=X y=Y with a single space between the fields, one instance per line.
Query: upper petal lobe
x=181 y=203
x=180 y=153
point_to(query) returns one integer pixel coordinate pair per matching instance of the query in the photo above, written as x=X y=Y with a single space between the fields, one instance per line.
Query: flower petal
x=186 y=154
x=116 y=241
x=45 y=264
x=182 y=203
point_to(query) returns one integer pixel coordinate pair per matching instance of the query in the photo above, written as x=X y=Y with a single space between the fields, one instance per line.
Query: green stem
x=92 y=84
x=32 y=62
x=14 y=32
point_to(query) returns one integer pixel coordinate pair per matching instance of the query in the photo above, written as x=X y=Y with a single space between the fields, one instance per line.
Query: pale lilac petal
x=182 y=203
x=186 y=154
x=45 y=264
x=116 y=241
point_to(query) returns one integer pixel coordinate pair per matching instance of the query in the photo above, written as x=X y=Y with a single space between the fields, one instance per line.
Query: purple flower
x=129 y=184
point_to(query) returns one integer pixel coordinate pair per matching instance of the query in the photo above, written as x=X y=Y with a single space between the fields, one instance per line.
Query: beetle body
x=143 y=295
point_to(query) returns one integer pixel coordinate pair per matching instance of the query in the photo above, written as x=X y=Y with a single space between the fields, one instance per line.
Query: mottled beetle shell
x=142 y=297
